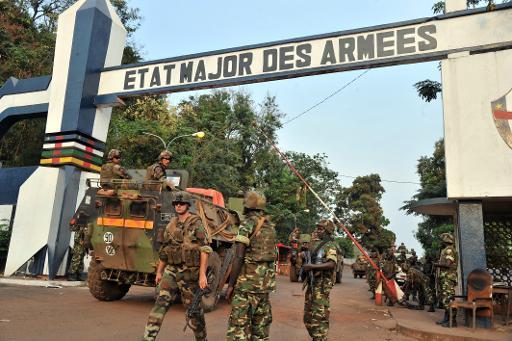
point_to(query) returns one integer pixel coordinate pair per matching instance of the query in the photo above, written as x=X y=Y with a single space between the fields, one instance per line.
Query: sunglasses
x=167 y=158
x=116 y=157
x=180 y=204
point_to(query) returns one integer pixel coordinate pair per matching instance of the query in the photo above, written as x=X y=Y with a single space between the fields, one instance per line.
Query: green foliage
x=359 y=206
x=5 y=236
x=428 y=89
x=346 y=246
x=431 y=170
x=27 y=42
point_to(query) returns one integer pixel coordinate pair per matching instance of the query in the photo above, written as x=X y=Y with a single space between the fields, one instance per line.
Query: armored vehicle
x=125 y=223
x=360 y=267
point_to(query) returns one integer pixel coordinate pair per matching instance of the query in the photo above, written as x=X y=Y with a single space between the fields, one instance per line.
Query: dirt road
x=33 y=313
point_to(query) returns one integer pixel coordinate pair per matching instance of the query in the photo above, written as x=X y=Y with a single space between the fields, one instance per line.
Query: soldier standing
x=78 y=253
x=371 y=273
x=389 y=269
x=447 y=277
x=182 y=266
x=253 y=274
x=316 y=304
x=113 y=169
x=401 y=248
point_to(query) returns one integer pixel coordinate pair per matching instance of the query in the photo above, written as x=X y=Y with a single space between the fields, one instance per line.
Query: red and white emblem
x=502 y=116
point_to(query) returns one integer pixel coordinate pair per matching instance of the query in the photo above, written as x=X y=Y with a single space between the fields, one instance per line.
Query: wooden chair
x=479 y=289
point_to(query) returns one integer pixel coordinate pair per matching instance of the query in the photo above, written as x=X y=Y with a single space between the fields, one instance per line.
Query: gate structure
x=474 y=46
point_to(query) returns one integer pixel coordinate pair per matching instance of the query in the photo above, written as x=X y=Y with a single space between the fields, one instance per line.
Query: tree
x=359 y=206
x=431 y=170
x=27 y=41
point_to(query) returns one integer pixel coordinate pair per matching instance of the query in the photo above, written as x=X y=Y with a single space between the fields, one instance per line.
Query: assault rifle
x=310 y=275
x=195 y=306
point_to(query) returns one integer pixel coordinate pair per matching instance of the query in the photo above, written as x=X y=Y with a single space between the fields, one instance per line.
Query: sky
x=378 y=124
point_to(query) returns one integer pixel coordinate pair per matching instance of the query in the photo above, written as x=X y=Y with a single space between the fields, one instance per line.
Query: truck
x=125 y=222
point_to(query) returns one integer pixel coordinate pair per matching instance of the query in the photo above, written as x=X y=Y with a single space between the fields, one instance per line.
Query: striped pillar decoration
x=73 y=148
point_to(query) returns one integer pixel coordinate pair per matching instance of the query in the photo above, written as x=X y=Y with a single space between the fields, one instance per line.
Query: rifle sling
x=258 y=227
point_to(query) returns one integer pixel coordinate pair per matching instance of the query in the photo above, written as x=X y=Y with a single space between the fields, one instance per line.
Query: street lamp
x=199 y=135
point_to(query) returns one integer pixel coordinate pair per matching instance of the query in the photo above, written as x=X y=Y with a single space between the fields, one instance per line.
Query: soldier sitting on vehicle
x=112 y=169
x=157 y=171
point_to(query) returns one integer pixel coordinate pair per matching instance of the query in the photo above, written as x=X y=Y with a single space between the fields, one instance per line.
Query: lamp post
x=199 y=135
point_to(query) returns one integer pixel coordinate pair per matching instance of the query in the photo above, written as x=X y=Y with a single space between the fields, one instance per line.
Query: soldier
x=389 y=268
x=113 y=169
x=253 y=274
x=79 y=250
x=294 y=235
x=447 y=280
x=371 y=273
x=156 y=172
x=402 y=247
x=417 y=281
x=182 y=266
x=316 y=306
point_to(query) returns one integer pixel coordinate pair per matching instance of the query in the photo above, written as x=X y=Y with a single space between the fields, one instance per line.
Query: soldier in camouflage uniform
x=156 y=172
x=113 y=169
x=371 y=274
x=78 y=253
x=389 y=269
x=401 y=248
x=182 y=266
x=417 y=281
x=253 y=274
x=447 y=277
x=316 y=305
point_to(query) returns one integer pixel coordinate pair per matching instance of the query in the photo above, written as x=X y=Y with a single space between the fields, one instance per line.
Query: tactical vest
x=262 y=247
x=107 y=172
x=181 y=248
x=150 y=171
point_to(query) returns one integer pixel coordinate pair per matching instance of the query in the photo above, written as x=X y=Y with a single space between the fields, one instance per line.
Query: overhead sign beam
x=427 y=39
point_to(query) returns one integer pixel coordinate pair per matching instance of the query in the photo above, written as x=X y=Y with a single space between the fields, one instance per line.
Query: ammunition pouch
x=192 y=257
x=174 y=255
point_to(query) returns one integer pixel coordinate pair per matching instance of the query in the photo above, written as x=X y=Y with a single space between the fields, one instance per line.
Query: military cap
x=255 y=200
x=447 y=238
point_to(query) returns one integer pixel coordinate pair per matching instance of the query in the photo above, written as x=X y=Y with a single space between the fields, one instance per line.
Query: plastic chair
x=479 y=288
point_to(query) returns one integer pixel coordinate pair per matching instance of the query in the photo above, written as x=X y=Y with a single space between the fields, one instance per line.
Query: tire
x=338 y=276
x=293 y=274
x=209 y=302
x=355 y=275
x=101 y=289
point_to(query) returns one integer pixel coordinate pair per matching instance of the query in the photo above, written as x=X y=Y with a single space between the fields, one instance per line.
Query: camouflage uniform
x=183 y=242
x=111 y=170
x=251 y=312
x=447 y=276
x=401 y=248
x=417 y=281
x=79 y=250
x=316 y=303
x=371 y=274
x=156 y=172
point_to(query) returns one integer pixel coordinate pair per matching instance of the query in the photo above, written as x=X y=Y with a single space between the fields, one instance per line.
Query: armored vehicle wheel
x=209 y=301
x=104 y=290
x=339 y=275
x=294 y=277
x=355 y=275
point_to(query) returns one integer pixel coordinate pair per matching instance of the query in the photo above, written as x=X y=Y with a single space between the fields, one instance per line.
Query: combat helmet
x=254 y=200
x=447 y=238
x=113 y=153
x=327 y=224
x=182 y=197
x=165 y=154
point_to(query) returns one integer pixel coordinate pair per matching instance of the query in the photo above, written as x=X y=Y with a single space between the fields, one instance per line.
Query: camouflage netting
x=498 y=248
